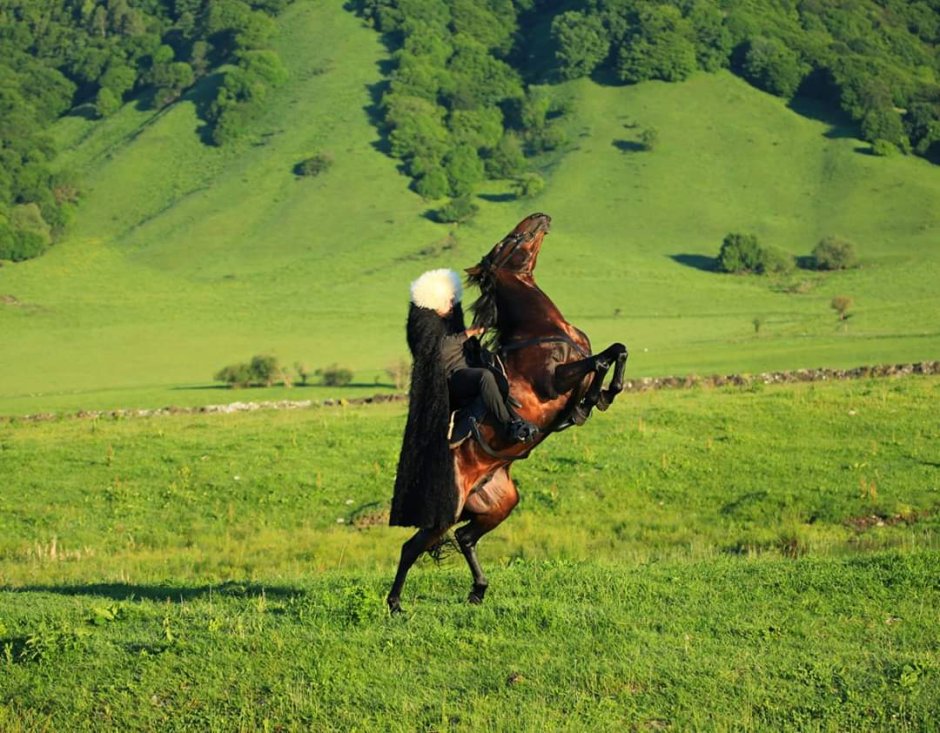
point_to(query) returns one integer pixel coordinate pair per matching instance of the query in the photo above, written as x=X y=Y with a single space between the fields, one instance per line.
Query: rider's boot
x=519 y=430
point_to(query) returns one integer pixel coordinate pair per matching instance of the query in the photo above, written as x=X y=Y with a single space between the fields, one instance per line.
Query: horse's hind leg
x=488 y=506
x=410 y=552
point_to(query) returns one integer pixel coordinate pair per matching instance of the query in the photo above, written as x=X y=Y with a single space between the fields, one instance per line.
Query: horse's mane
x=484 y=307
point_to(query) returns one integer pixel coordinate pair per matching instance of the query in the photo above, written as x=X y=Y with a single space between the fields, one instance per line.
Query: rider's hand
x=476 y=331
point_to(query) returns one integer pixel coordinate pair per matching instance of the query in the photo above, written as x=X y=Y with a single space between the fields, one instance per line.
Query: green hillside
x=185 y=257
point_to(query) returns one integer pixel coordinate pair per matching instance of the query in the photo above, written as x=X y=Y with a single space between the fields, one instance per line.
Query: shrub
x=234 y=375
x=529 y=185
x=335 y=376
x=457 y=211
x=399 y=372
x=303 y=372
x=106 y=103
x=649 y=137
x=883 y=148
x=742 y=253
x=314 y=165
x=21 y=244
x=262 y=370
x=433 y=184
x=739 y=253
x=776 y=261
x=833 y=253
x=841 y=304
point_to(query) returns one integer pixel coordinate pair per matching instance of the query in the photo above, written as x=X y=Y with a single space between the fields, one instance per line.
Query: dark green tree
x=457 y=211
x=659 y=45
x=433 y=183
x=464 y=169
x=581 y=43
x=739 y=253
x=713 y=39
x=491 y=23
x=834 y=253
x=478 y=128
x=771 y=66
x=506 y=159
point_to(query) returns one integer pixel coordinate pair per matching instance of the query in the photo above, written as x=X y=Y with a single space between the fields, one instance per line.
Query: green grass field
x=184 y=258
x=714 y=559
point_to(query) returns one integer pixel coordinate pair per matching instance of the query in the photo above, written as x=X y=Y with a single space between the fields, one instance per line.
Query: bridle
x=504 y=254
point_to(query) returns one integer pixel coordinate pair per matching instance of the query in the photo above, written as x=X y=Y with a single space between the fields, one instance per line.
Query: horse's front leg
x=488 y=506
x=410 y=552
x=616 y=381
x=568 y=376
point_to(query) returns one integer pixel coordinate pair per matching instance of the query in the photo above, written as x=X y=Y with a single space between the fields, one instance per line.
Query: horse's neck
x=526 y=311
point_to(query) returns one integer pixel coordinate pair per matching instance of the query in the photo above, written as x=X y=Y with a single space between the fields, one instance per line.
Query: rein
x=560 y=339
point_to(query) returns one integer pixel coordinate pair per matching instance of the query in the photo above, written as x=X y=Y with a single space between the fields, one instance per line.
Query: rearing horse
x=551 y=373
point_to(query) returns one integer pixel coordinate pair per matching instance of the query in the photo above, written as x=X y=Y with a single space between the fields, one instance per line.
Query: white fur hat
x=436 y=289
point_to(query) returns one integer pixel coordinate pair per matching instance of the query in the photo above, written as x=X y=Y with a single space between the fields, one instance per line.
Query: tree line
x=89 y=57
x=456 y=109
x=470 y=94
x=877 y=60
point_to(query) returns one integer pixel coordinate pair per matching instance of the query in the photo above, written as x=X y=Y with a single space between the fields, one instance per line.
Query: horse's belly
x=496 y=496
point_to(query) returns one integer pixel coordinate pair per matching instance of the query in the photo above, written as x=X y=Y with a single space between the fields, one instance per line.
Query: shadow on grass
x=629 y=146
x=171 y=593
x=86 y=111
x=813 y=108
x=699 y=262
x=498 y=198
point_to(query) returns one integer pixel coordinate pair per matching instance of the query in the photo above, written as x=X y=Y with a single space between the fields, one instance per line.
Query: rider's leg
x=466 y=383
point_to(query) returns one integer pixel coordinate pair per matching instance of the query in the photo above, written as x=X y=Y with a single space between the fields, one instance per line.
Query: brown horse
x=551 y=372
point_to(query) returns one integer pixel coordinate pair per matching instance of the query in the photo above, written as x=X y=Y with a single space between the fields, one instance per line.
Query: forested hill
x=470 y=92
x=466 y=99
x=88 y=57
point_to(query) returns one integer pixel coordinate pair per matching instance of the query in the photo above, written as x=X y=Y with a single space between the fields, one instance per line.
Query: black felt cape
x=425 y=486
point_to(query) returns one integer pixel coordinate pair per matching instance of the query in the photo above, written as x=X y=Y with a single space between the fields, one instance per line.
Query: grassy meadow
x=184 y=258
x=726 y=559
x=757 y=558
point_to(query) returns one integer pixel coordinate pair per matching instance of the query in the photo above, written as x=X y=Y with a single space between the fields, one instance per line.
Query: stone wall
x=630 y=385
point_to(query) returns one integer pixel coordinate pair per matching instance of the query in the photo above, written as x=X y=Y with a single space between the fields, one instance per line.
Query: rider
x=440 y=291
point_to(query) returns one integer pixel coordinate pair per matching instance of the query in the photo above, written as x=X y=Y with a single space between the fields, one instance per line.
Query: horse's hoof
x=476 y=595
x=394 y=606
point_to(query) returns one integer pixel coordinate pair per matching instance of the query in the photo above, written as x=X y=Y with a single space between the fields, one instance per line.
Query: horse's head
x=517 y=252
x=512 y=258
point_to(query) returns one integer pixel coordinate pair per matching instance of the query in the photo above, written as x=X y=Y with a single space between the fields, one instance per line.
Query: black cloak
x=425 y=486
